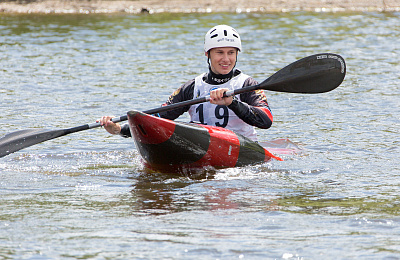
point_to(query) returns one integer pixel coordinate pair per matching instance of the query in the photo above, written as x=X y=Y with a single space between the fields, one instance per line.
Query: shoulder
x=256 y=97
x=188 y=84
x=184 y=92
x=192 y=82
x=249 y=81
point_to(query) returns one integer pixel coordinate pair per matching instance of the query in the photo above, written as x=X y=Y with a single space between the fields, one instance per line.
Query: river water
x=88 y=196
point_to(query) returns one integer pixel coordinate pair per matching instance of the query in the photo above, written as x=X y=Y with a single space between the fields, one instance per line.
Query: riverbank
x=187 y=6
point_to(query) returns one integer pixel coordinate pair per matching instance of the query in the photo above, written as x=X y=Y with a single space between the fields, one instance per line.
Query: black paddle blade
x=21 y=139
x=317 y=73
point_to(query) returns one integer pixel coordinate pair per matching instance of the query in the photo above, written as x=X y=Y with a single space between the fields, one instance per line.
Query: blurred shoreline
x=196 y=6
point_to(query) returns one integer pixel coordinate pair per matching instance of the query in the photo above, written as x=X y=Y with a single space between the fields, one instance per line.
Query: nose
x=225 y=56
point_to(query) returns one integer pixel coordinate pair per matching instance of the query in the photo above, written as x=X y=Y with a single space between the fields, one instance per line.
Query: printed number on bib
x=221 y=112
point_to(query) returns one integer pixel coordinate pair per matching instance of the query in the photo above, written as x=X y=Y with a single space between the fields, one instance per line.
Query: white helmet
x=222 y=36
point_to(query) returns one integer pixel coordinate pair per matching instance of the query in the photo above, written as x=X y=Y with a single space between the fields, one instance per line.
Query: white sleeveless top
x=217 y=115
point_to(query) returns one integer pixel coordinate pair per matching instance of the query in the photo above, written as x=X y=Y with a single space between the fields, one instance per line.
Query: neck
x=217 y=79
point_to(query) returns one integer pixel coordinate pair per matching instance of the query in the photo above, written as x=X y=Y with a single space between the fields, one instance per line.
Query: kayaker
x=241 y=113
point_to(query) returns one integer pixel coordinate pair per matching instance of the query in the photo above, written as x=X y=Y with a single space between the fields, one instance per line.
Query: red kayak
x=171 y=146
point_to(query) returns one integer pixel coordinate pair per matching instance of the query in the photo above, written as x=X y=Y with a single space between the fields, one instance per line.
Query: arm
x=114 y=128
x=185 y=92
x=253 y=107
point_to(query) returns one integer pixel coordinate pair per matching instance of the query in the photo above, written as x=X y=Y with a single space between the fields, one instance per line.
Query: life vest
x=217 y=115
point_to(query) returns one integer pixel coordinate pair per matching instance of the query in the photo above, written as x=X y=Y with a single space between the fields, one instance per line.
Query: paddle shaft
x=313 y=74
x=317 y=73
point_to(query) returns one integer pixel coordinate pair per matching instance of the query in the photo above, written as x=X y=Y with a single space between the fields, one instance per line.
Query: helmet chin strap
x=208 y=59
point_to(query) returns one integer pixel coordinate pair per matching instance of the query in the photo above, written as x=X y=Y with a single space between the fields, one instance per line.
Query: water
x=88 y=196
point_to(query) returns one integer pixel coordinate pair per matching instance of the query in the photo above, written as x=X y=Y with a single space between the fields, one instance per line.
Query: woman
x=241 y=113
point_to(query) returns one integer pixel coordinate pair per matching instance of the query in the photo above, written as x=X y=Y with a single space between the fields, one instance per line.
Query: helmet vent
x=221 y=36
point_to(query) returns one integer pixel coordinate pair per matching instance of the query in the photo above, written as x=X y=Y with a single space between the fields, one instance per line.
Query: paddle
x=317 y=73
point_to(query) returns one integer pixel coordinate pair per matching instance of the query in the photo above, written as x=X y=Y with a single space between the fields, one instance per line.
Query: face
x=222 y=60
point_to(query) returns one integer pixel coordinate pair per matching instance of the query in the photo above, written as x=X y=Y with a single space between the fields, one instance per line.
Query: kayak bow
x=170 y=146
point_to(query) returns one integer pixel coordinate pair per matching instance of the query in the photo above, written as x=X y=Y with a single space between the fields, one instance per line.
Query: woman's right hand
x=110 y=126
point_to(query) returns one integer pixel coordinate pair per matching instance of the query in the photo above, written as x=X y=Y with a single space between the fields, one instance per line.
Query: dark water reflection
x=87 y=195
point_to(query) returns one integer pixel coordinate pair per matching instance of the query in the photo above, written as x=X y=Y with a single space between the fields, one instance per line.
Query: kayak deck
x=172 y=146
